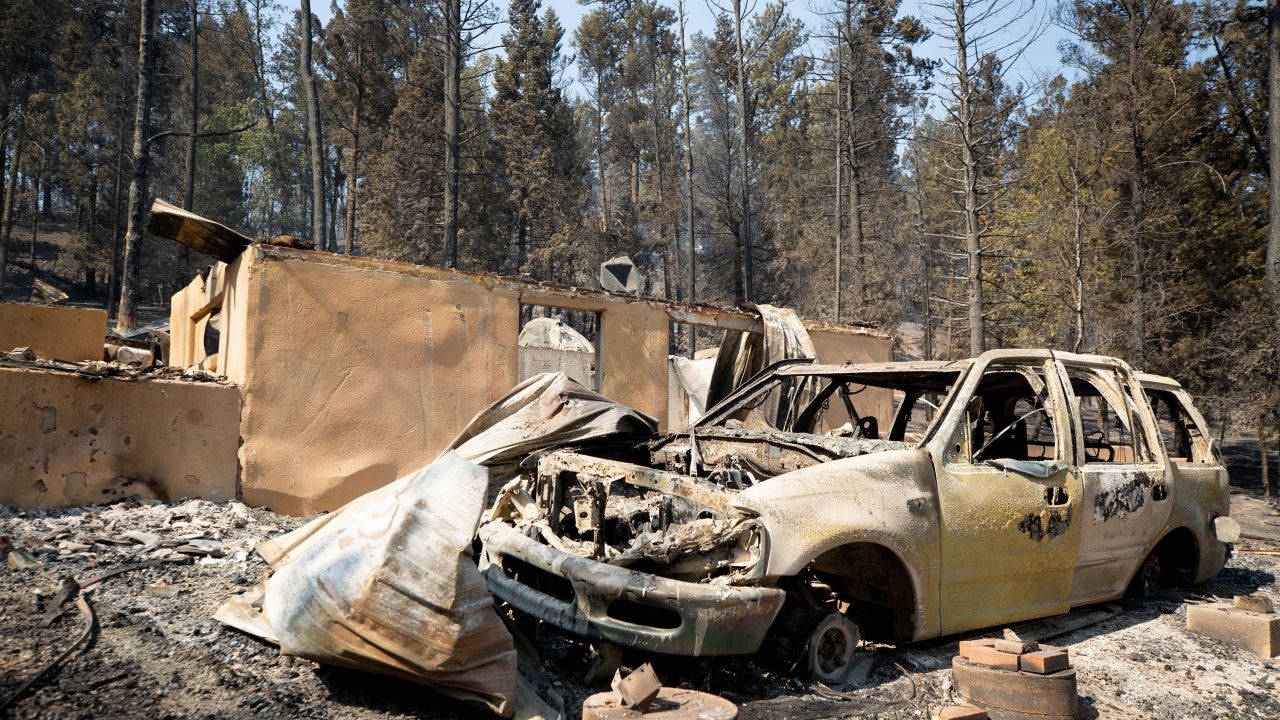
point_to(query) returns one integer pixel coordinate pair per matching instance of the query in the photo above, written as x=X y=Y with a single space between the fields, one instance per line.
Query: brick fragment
x=967 y=646
x=991 y=657
x=1017 y=647
x=959 y=712
x=1044 y=662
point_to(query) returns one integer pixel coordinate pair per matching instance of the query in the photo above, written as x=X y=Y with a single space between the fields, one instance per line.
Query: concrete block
x=1258 y=633
x=53 y=331
x=959 y=712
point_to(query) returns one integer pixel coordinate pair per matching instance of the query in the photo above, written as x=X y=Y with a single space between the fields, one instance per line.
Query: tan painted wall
x=53 y=331
x=66 y=440
x=353 y=376
x=357 y=371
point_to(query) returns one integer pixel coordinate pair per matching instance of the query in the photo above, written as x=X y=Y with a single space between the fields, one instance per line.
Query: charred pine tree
x=126 y=318
x=306 y=69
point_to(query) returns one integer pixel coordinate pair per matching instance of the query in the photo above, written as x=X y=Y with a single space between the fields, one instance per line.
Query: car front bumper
x=623 y=606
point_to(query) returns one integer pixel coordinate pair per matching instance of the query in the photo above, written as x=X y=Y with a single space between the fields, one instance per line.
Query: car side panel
x=888 y=498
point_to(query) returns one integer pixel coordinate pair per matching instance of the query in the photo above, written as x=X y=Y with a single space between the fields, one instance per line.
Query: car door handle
x=1159 y=492
x=1056 y=496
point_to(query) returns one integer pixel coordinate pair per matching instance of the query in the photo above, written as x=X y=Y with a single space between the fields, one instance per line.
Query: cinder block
x=959 y=712
x=1258 y=633
x=1043 y=662
x=967 y=646
x=991 y=657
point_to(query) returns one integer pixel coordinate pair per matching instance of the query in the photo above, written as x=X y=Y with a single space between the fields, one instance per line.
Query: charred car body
x=895 y=501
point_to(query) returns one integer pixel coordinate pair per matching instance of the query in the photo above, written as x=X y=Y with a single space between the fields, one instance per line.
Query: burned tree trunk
x=188 y=197
x=744 y=190
x=1273 y=128
x=314 y=135
x=126 y=319
x=452 y=126
x=6 y=219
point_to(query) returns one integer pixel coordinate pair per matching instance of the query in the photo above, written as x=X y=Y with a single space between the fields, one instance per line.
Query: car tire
x=832 y=647
x=1149 y=581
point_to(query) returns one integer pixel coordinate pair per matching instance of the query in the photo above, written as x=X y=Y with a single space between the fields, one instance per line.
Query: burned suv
x=818 y=505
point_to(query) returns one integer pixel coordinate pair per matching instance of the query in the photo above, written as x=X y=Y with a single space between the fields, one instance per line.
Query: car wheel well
x=876 y=584
x=1178 y=558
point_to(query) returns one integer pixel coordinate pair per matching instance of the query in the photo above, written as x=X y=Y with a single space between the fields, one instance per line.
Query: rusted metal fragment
x=1017 y=695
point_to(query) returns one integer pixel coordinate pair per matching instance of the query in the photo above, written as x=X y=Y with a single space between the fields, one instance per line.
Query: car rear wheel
x=832 y=646
x=1149 y=581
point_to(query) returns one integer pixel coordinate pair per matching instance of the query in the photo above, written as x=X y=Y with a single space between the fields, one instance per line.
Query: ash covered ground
x=158 y=652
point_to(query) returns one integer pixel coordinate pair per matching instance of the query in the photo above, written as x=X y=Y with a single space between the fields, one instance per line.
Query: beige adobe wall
x=189 y=312
x=53 y=331
x=67 y=440
x=355 y=372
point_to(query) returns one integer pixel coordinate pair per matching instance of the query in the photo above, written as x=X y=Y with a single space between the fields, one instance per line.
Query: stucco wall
x=352 y=375
x=68 y=440
x=356 y=371
x=53 y=331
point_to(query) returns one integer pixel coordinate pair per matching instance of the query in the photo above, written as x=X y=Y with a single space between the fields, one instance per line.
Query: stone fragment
x=1016 y=647
x=1255 y=603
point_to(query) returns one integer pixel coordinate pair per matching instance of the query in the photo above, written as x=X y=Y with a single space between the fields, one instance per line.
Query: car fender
x=888 y=498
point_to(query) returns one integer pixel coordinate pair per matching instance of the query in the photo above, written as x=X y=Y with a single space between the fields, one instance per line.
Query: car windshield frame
x=939 y=377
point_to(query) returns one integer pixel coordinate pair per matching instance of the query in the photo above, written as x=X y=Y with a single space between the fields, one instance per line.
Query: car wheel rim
x=832 y=647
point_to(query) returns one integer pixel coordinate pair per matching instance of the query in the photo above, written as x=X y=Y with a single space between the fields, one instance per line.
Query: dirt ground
x=158 y=653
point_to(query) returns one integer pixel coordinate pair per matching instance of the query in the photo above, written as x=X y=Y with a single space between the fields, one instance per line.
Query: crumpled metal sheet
x=387 y=584
x=743 y=355
x=390 y=587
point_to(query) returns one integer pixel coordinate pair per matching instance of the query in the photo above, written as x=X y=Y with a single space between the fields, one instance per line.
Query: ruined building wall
x=53 y=331
x=68 y=440
x=355 y=371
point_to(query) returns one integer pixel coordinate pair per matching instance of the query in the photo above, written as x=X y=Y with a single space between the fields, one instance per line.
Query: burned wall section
x=64 y=333
x=67 y=440
x=355 y=371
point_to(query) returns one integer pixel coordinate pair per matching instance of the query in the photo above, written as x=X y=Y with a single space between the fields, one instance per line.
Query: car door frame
x=995 y=567
x=1116 y=536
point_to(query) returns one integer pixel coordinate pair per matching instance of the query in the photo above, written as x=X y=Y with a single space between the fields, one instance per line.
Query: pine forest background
x=820 y=160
